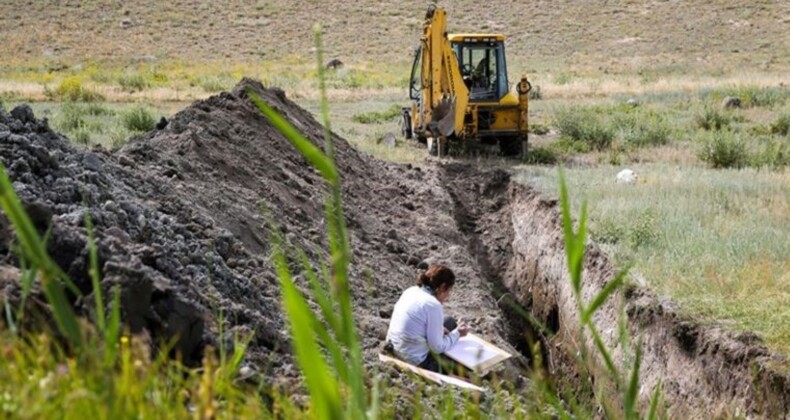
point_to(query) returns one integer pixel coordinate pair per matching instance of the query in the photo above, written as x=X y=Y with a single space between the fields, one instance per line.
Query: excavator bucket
x=443 y=116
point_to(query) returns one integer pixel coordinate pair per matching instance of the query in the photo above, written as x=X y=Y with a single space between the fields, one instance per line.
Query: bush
x=71 y=89
x=82 y=135
x=781 y=126
x=541 y=156
x=71 y=117
x=642 y=129
x=535 y=94
x=98 y=110
x=584 y=125
x=377 y=117
x=712 y=119
x=538 y=129
x=723 y=149
x=213 y=84
x=133 y=82
x=761 y=96
x=772 y=154
x=138 y=119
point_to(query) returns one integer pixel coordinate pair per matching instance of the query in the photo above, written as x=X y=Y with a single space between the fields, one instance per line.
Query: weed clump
x=71 y=89
x=781 y=125
x=541 y=156
x=642 y=129
x=138 y=119
x=133 y=82
x=378 y=117
x=723 y=149
x=585 y=126
x=710 y=119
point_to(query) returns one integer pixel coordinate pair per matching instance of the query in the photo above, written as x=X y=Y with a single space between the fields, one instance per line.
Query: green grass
x=138 y=119
x=714 y=240
x=378 y=117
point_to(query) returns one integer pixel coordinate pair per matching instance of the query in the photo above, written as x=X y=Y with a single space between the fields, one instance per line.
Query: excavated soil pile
x=177 y=213
x=178 y=216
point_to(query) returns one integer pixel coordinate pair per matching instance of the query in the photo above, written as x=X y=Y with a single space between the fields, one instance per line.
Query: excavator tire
x=510 y=146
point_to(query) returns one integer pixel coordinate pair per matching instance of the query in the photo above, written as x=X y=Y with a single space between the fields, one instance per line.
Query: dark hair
x=435 y=276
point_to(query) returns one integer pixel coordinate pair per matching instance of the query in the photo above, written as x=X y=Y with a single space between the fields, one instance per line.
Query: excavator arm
x=444 y=95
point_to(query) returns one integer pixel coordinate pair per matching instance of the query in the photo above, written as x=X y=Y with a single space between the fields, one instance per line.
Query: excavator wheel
x=510 y=147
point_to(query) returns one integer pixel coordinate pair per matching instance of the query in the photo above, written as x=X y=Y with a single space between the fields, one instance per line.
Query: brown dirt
x=177 y=214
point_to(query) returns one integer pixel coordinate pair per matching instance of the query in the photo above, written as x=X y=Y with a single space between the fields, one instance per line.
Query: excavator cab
x=481 y=59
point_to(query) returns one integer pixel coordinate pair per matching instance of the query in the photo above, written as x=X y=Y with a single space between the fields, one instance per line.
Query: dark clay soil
x=178 y=217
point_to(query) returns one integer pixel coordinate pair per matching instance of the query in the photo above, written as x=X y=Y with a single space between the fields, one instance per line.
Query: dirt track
x=178 y=216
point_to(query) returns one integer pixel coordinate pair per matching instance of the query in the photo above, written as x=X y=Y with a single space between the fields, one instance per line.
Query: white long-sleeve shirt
x=416 y=326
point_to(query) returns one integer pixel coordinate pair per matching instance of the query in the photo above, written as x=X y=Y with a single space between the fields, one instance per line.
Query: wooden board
x=434 y=377
x=477 y=354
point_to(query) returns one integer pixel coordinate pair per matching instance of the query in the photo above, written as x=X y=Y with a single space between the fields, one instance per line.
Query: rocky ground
x=178 y=216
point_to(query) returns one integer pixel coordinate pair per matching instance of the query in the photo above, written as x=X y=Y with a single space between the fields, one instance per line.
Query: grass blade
x=633 y=386
x=325 y=395
x=604 y=294
x=653 y=414
x=599 y=344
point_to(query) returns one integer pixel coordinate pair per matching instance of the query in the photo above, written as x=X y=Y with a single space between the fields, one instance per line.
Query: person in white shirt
x=418 y=330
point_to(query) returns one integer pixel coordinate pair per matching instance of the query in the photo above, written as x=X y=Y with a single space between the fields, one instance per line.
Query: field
x=625 y=84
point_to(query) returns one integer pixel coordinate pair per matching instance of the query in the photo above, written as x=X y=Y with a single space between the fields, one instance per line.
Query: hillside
x=670 y=36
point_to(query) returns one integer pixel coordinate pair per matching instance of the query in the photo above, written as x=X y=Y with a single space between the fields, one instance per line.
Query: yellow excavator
x=460 y=92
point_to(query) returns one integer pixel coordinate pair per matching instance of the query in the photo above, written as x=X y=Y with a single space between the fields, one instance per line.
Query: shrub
x=213 y=84
x=138 y=119
x=71 y=89
x=541 y=156
x=723 y=149
x=81 y=135
x=712 y=119
x=642 y=129
x=538 y=129
x=535 y=94
x=377 y=117
x=772 y=154
x=133 y=82
x=98 y=109
x=782 y=125
x=584 y=125
x=71 y=117
x=750 y=96
x=761 y=96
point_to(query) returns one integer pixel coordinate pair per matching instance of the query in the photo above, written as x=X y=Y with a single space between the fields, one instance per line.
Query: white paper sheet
x=473 y=352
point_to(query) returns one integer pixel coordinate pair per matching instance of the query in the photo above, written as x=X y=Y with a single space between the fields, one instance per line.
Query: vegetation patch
x=378 y=117
x=72 y=89
x=723 y=149
x=138 y=118
x=584 y=125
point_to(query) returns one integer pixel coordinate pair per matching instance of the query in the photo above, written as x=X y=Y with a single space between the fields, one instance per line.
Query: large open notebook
x=476 y=354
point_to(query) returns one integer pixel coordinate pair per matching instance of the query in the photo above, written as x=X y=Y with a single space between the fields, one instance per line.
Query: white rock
x=626 y=176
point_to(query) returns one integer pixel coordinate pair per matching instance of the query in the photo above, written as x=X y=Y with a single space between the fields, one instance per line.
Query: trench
x=515 y=236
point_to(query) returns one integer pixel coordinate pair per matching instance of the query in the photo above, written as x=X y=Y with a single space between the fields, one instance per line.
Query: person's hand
x=463 y=330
